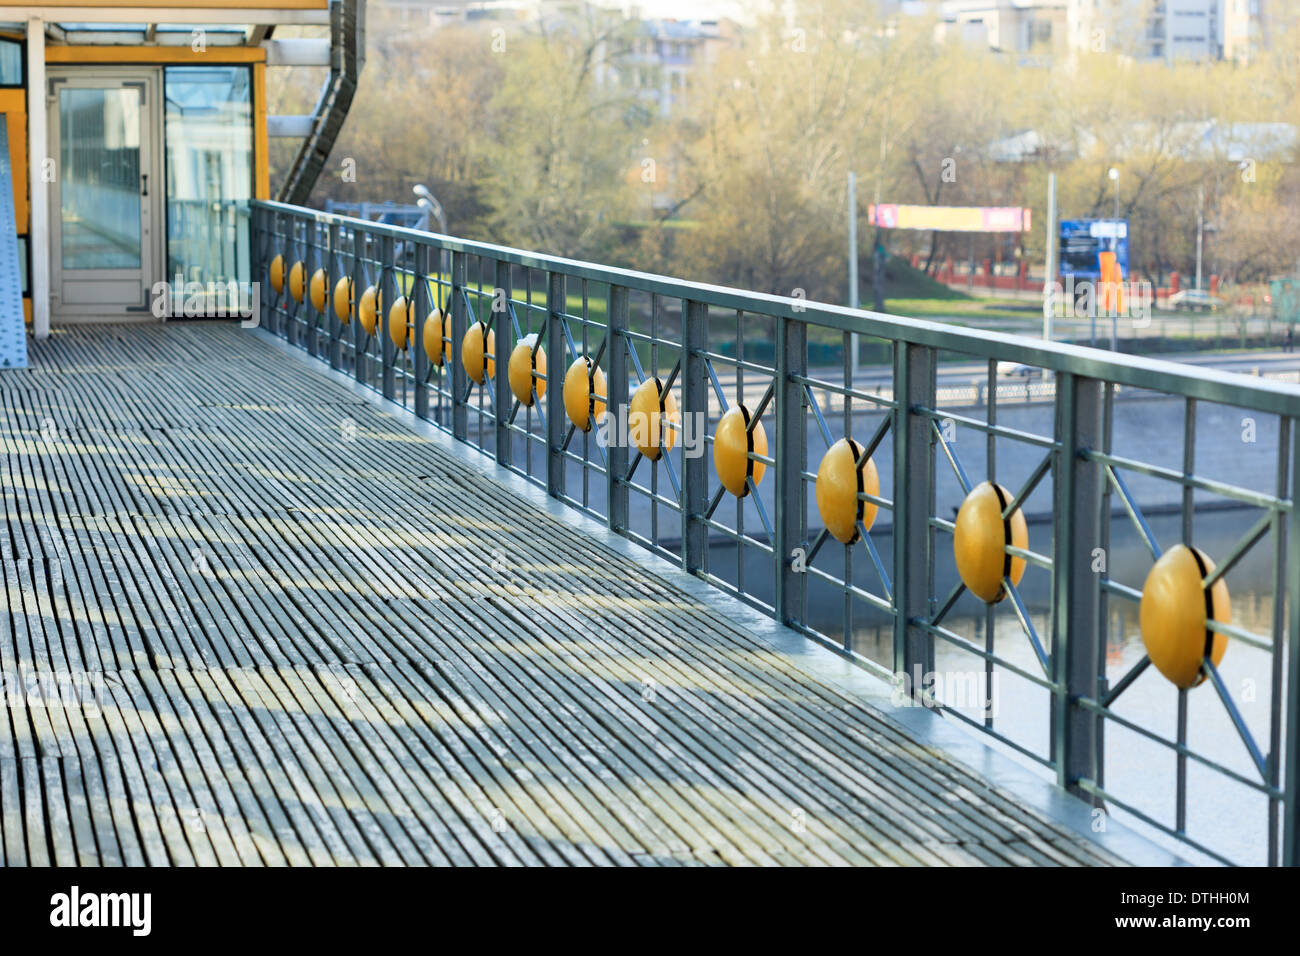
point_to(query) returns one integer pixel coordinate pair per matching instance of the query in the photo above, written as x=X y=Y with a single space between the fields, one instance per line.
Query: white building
x=1024 y=27
x=1169 y=30
x=664 y=54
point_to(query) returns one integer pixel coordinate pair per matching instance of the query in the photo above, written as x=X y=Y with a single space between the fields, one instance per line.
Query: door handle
x=144 y=184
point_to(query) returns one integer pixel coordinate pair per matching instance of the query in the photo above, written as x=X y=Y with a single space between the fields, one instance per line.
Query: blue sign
x=1083 y=240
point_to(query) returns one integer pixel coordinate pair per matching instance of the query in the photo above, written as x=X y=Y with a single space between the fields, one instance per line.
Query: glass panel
x=11 y=63
x=99 y=156
x=209 y=141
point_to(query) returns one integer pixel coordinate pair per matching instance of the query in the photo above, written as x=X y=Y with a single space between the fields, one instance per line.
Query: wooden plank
x=346 y=676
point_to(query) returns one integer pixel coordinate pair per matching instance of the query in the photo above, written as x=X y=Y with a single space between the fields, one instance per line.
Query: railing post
x=419 y=309
x=259 y=263
x=387 y=296
x=277 y=247
x=791 y=448
x=290 y=314
x=311 y=260
x=1291 y=782
x=556 y=366
x=1078 y=630
x=459 y=274
x=504 y=332
x=332 y=270
x=695 y=414
x=616 y=408
x=360 y=362
x=914 y=387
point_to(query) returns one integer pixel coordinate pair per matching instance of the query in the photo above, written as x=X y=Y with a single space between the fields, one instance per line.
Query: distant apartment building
x=1027 y=28
x=663 y=56
x=1254 y=25
x=1169 y=30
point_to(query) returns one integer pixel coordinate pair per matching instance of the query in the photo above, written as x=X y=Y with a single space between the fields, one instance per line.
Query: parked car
x=1018 y=370
x=1195 y=300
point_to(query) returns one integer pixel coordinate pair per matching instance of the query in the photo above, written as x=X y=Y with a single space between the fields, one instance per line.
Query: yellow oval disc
x=343 y=299
x=527 y=369
x=733 y=444
x=437 y=337
x=296 y=279
x=368 y=309
x=277 y=273
x=478 y=350
x=1173 y=614
x=584 y=393
x=839 y=483
x=980 y=539
x=653 y=414
x=401 y=321
x=319 y=289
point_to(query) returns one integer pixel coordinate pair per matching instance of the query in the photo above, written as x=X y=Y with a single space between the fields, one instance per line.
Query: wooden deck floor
x=314 y=638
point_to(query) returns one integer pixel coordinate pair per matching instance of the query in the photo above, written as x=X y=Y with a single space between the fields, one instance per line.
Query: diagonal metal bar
x=1028 y=626
x=672 y=471
x=948 y=453
x=869 y=449
x=758 y=505
x=1125 y=682
x=631 y=469
x=717 y=500
x=1134 y=512
x=717 y=386
x=762 y=406
x=875 y=559
x=1239 y=550
x=948 y=604
x=1030 y=484
x=822 y=536
x=817 y=413
x=1242 y=730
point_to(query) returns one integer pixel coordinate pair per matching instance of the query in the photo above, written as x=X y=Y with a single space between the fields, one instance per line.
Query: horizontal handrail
x=1210 y=385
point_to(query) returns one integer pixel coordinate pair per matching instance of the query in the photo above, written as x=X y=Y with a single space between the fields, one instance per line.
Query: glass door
x=104 y=193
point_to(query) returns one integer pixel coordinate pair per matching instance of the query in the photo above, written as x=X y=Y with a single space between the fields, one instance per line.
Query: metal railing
x=1090 y=471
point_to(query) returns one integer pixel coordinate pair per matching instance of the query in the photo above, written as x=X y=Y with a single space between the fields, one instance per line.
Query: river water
x=1225 y=815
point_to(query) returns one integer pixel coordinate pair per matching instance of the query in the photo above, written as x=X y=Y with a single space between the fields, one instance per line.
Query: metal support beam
x=556 y=348
x=504 y=332
x=616 y=407
x=332 y=272
x=421 y=308
x=791 y=447
x=1077 y=627
x=913 y=494
x=459 y=325
x=695 y=407
x=360 y=361
x=387 y=296
x=1291 y=760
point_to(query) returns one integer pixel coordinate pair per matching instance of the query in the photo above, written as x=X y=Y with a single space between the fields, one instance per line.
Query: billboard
x=1082 y=241
x=950 y=218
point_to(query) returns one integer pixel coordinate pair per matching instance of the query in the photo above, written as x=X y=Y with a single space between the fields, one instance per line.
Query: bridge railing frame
x=514 y=291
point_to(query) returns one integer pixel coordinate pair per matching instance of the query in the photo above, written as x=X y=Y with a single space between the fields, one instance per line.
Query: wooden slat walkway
x=315 y=645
